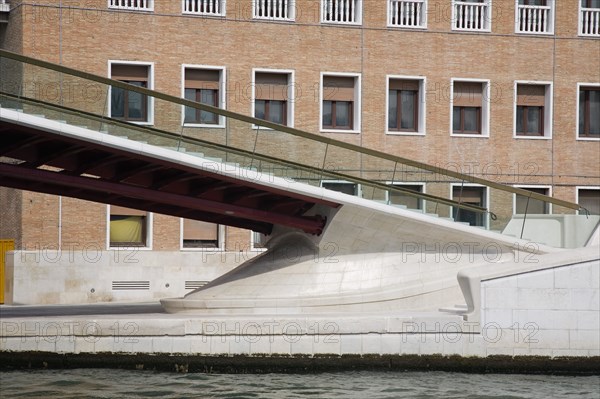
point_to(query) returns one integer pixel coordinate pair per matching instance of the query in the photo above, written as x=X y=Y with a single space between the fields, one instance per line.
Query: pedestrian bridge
x=327 y=250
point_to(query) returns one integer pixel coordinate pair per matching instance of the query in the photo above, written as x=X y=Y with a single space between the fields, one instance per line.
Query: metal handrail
x=287 y=129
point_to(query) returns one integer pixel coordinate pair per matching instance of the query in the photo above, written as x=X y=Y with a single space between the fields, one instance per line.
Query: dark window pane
x=470 y=114
x=582 y=112
x=456 y=119
x=190 y=113
x=276 y=110
x=393 y=109
x=594 y=112
x=327 y=119
x=342 y=113
x=208 y=96
x=533 y=120
x=136 y=105
x=408 y=109
x=117 y=102
x=259 y=109
x=520 y=111
x=346 y=188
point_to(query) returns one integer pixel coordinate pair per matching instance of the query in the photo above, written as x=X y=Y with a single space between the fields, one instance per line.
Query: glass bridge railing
x=100 y=104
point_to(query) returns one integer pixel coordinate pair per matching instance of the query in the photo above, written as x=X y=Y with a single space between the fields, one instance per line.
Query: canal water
x=103 y=383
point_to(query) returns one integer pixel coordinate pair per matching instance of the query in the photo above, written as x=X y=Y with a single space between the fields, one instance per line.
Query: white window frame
x=358 y=18
x=577 y=188
x=358 y=186
x=487 y=20
x=291 y=12
x=528 y=186
x=149 y=233
x=424 y=14
x=356 y=110
x=580 y=24
x=222 y=13
x=252 y=247
x=290 y=94
x=220 y=240
x=422 y=117
x=552 y=20
x=150 y=7
x=423 y=186
x=579 y=85
x=222 y=94
x=548 y=111
x=150 y=66
x=486 y=204
x=485 y=108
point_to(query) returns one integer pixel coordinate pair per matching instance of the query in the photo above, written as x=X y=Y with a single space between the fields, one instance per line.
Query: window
x=589 y=112
x=533 y=111
x=136 y=5
x=273 y=92
x=203 y=85
x=534 y=16
x=589 y=198
x=589 y=18
x=409 y=201
x=404 y=97
x=532 y=206
x=341 y=11
x=469 y=109
x=129 y=105
x=204 y=7
x=471 y=15
x=472 y=196
x=407 y=13
x=342 y=187
x=257 y=241
x=128 y=227
x=340 y=110
x=274 y=9
x=196 y=234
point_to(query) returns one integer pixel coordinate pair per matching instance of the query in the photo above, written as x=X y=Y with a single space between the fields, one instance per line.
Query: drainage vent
x=130 y=285
x=194 y=284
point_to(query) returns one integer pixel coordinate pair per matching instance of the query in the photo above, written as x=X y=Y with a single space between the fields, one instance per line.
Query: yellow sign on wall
x=5 y=246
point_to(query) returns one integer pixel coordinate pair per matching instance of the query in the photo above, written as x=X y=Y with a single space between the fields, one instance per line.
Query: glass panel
x=209 y=97
x=456 y=119
x=524 y=204
x=472 y=196
x=519 y=119
x=117 y=103
x=594 y=112
x=533 y=120
x=327 y=119
x=471 y=122
x=393 y=109
x=342 y=187
x=582 y=112
x=408 y=109
x=136 y=103
x=342 y=113
x=126 y=230
x=190 y=113
x=259 y=109
x=590 y=200
x=276 y=110
x=398 y=198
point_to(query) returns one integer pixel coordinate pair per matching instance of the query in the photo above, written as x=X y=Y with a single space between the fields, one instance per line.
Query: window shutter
x=469 y=195
x=202 y=79
x=401 y=84
x=129 y=72
x=531 y=95
x=197 y=230
x=122 y=211
x=467 y=94
x=338 y=88
x=271 y=86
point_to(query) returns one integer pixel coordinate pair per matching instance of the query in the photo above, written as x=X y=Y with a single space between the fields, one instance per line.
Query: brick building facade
x=508 y=90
